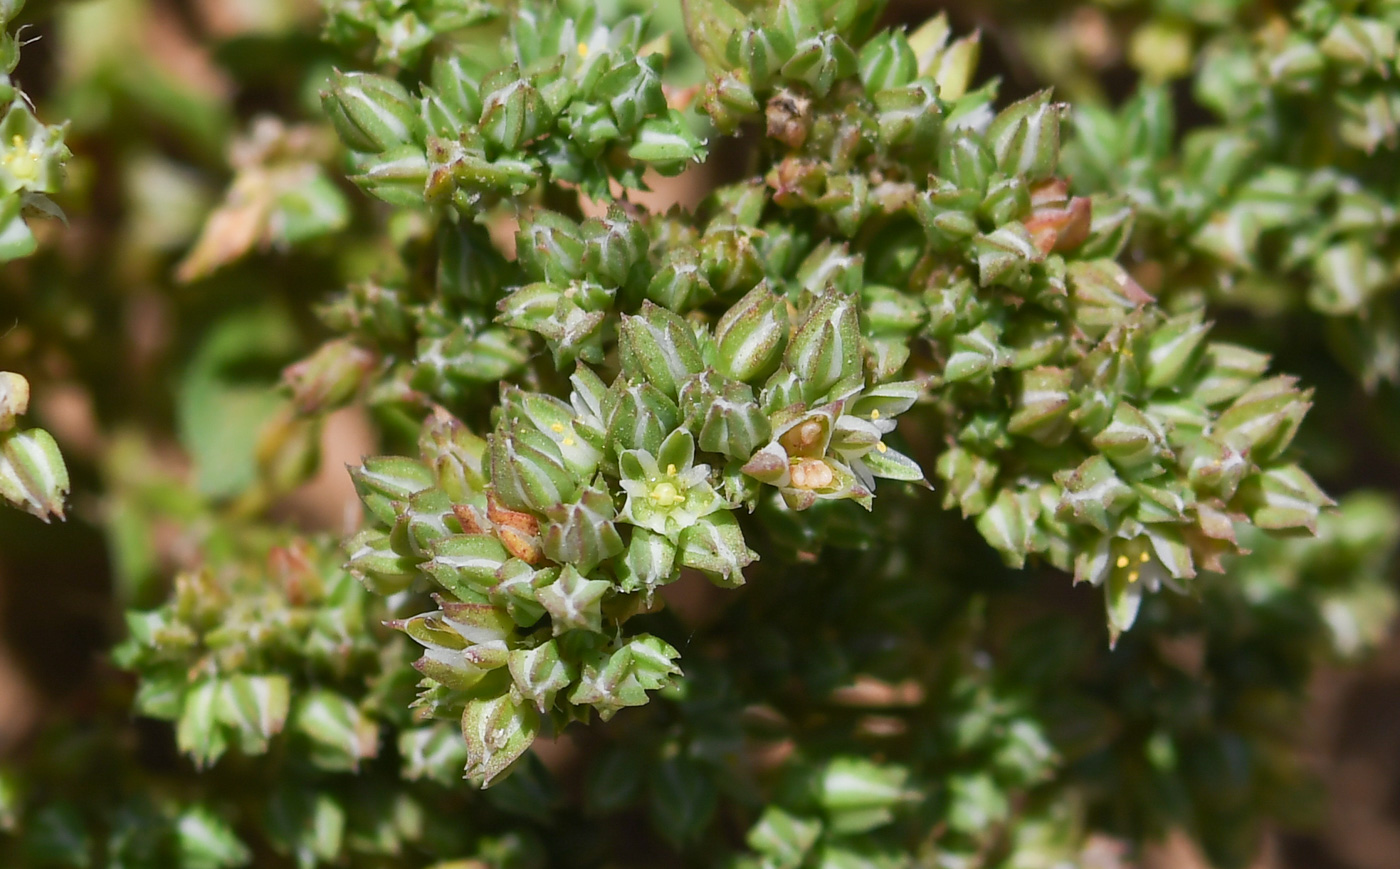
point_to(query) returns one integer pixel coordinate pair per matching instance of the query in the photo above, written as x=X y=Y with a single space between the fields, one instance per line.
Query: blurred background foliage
x=208 y=227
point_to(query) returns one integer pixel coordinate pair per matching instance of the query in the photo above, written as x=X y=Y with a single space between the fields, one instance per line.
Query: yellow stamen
x=583 y=49
x=556 y=428
x=1122 y=561
x=1133 y=577
x=1145 y=558
x=670 y=470
x=875 y=414
x=881 y=446
x=568 y=442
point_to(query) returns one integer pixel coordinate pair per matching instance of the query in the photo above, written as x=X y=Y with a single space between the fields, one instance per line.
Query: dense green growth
x=624 y=564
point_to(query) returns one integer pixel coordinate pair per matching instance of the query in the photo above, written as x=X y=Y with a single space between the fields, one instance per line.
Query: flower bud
x=456 y=455
x=383 y=481
x=1214 y=467
x=1025 y=137
x=540 y=673
x=715 y=546
x=976 y=355
x=728 y=100
x=1283 y=499
x=908 y=115
x=580 y=447
x=398 y=175
x=528 y=471
x=825 y=350
x=341 y=735
x=1103 y=293
x=1348 y=275
x=820 y=61
x=1364 y=43
x=1132 y=441
x=379 y=568
x=612 y=245
x=582 y=533
x=550 y=247
x=456 y=80
x=1007 y=525
x=372 y=113
x=1230 y=370
x=1263 y=421
x=724 y=416
x=650 y=562
x=970 y=478
x=590 y=127
x=32 y=475
x=1007 y=200
x=498 y=731
x=328 y=378
x=667 y=143
x=1093 y=494
x=1172 y=350
x=641 y=419
x=1004 y=257
x=729 y=260
x=466 y=565
x=760 y=52
x=1043 y=405
x=632 y=91
x=887 y=61
x=658 y=347
x=847 y=201
x=967 y=164
x=14 y=398
x=859 y=794
x=574 y=602
x=513 y=111
x=946 y=213
x=680 y=284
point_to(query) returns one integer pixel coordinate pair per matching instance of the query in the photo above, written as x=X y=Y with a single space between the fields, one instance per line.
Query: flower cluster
x=1285 y=200
x=900 y=240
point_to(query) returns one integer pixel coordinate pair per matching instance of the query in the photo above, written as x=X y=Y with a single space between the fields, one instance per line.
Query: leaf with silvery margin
x=16 y=238
x=255 y=707
x=715 y=546
x=199 y=732
x=574 y=602
x=435 y=751
x=540 y=673
x=203 y=840
x=858 y=795
x=497 y=730
x=782 y=837
x=709 y=25
x=340 y=734
x=33 y=475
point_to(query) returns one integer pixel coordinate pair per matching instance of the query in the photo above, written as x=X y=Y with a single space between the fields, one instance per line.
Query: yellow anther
x=1133 y=577
x=1122 y=561
x=583 y=49
x=568 y=442
x=875 y=414
x=670 y=470
x=881 y=446
x=17 y=141
x=1145 y=558
x=557 y=428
